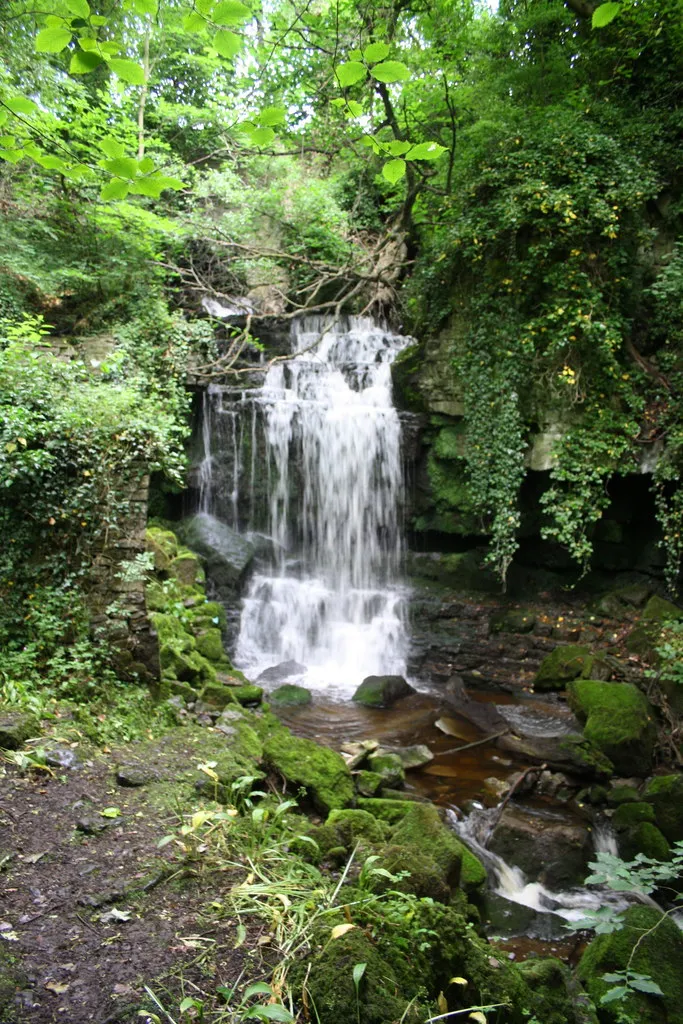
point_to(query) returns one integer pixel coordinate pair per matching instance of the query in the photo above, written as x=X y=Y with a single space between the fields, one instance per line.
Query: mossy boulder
x=207 y=615
x=210 y=646
x=643 y=837
x=226 y=553
x=382 y=691
x=566 y=663
x=187 y=568
x=248 y=694
x=322 y=772
x=619 y=721
x=422 y=829
x=389 y=810
x=164 y=546
x=16 y=727
x=557 y=996
x=389 y=767
x=178 y=654
x=352 y=825
x=424 y=876
x=665 y=794
x=658 y=609
x=368 y=783
x=649 y=944
x=512 y=620
x=290 y=695
x=218 y=695
x=328 y=975
x=628 y=814
x=622 y=794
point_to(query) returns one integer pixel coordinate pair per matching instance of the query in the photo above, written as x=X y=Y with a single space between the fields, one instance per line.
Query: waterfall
x=312 y=459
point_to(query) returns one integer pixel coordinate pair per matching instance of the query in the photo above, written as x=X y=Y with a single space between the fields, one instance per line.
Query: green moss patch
x=665 y=794
x=323 y=773
x=619 y=721
x=564 y=664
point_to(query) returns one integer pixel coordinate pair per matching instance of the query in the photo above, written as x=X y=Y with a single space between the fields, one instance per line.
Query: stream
x=308 y=466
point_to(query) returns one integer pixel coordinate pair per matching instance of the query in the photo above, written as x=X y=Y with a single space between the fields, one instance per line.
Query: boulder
x=164 y=546
x=321 y=771
x=186 y=568
x=665 y=794
x=512 y=620
x=382 y=691
x=283 y=670
x=619 y=721
x=555 y=853
x=649 y=944
x=368 y=783
x=226 y=553
x=290 y=695
x=389 y=767
x=16 y=727
x=571 y=753
x=566 y=663
x=658 y=610
x=210 y=645
x=411 y=757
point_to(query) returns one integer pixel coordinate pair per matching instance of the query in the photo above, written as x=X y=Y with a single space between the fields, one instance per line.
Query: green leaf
x=51 y=163
x=367 y=140
x=111 y=147
x=122 y=167
x=272 y=115
x=259 y=988
x=194 y=22
x=227 y=43
x=398 y=148
x=128 y=70
x=21 y=105
x=375 y=52
x=111 y=812
x=604 y=14
x=391 y=71
x=98 y=20
x=110 y=49
x=350 y=73
x=81 y=63
x=261 y=136
x=52 y=40
x=353 y=108
x=155 y=185
x=78 y=171
x=230 y=12
x=145 y=165
x=81 y=8
x=12 y=156
x=614 y=993
x=274 y=1011
x=394 y=170
x=358 y=972
x=88 y=43
x=355 y=54
x=646 y=985
x=9 y=142
x=426 y=151
x=143 y=7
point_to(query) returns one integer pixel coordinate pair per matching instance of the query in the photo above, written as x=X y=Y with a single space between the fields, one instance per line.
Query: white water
x=330 y=458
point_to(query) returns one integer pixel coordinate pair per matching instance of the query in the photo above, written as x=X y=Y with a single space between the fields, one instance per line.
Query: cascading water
x=319 y=443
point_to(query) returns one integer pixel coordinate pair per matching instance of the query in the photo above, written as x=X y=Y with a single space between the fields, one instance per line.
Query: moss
x=206 y=615
x=646 y=838
x=178 y=655
x=210 y=646
x=352 y=825
x=381 y=691
x=618 y=720
x=321 y=771
x=218 y=695
x=184 y=690
x=658 y=609
x=557 y=997
x=16 y=727
x=164 y=546
x=11 y=980
x=512 y=620
x=562 y=665
x=586 y=756
x=290 y=695
x=632 y=814
x=330 y=988
x=389 y=767
x=659 y=954
x=248 y=694
x=390 y=811
x=618 y=795
x=405 y=371
x=422 y=829
x=368 y=783
x=186 y=567
x=665 y=793
x=424 y=876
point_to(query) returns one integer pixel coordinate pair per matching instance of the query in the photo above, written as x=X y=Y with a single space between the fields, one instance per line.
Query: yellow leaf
x=57 y=987
x=341 y=929
x=458 y=981
x=478 y=1017
x=442 y=1002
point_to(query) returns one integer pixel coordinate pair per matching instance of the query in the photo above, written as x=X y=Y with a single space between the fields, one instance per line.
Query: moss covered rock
x=665 y=794
x=658 y=610
x=566 y=663
x=628 y=814
x=210 y=646
x=368 y=783
x=382 y=691
x=218 y=695
x=16 y=727
x=619 y=721
x=248 y=694
x=187 y=568
x=206 y=615
x=352 y=825
x=659 y=954
x=322 y=772
x=512 y=620
x=290 y=695
x=423 y=878
x=164 y=546
x=391 y=811
x=389 y=767
x=643 y=837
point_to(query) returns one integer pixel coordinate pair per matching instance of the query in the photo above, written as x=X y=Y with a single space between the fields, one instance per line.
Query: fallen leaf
x=341 y=929
x=33 y=858
x=115 y=915
x=58 y=987
x=111 y=812
x=9 y=936
x=458 y=981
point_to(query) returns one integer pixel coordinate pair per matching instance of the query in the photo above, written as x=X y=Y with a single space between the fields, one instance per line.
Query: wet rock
x=570 y=753
x=382 y=691
x=619 y=721
x=226 y=553
x=368 y=783
x=389 y=767
x=16 y=727
x=410 y=757
x=92 y=825
x=665 y=794
x=355 y=753
x=283 y=670
x=134 y=775
x=555 y=853
x=507 y=918
x=62 y=757
x=290 y=695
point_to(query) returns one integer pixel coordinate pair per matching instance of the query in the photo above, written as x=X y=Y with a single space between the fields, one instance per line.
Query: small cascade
x=317 y=448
